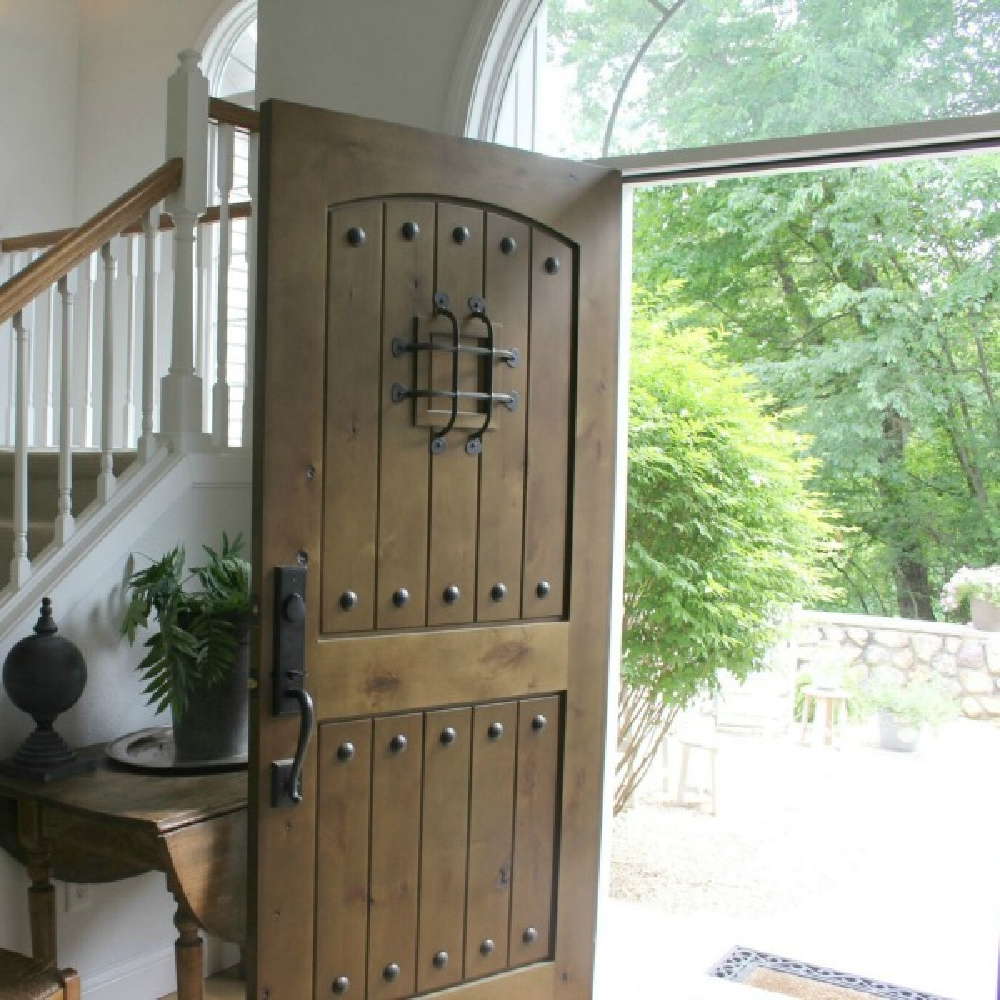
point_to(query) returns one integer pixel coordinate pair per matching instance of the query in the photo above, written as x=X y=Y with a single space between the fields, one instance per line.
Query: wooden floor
x=222 y=986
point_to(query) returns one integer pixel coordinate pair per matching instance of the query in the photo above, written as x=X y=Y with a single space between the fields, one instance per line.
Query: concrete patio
x=870 y=862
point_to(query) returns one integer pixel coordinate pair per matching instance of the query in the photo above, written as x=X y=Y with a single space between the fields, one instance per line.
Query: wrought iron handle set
x=477 y=310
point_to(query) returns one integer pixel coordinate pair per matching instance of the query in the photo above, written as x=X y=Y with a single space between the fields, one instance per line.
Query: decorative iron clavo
x=457 y=363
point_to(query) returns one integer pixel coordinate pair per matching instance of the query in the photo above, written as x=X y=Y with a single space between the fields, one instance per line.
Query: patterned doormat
x=807 y=982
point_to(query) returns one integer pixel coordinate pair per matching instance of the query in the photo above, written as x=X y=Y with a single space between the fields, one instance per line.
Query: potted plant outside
x=197 y=656
x=974 y=595
x=906 y=711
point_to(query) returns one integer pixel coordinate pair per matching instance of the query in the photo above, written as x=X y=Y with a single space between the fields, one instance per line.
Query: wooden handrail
x=74 y=247
x=227 y=113
x=39 y=241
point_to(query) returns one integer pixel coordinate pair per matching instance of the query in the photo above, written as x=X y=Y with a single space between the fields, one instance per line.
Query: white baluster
x=106 y=477
x=181 y=405
x=88 y=368
x=203 y=313
x=151 y=271
x=30 y=318
x=11 y=409
x=64 y=515
x=20 y=568
x=220 y=392
x=132 y=273
x=48 y=402
x=246 y=437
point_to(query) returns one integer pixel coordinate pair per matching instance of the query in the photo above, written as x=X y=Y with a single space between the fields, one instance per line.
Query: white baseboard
x=144 y=978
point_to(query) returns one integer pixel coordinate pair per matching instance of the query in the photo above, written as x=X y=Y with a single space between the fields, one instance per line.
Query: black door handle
x=289 y=694
x=307 y=720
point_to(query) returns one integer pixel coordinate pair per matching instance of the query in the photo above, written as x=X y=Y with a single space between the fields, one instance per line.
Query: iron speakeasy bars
x=399 y=392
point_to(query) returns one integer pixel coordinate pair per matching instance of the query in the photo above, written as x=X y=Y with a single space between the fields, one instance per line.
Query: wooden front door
x=434 y=441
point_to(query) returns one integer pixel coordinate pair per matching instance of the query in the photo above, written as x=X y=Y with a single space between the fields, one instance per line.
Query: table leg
x=42 y=893
x=189 y=953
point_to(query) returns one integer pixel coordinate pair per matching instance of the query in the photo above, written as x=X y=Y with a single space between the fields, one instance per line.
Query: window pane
x=239 y=74
x=628 y=76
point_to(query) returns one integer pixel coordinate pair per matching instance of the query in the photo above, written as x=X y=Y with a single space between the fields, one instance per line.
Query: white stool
x=828 y=707
x=707 y=746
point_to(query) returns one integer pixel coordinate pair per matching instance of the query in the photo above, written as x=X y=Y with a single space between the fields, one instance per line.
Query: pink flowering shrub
x=967 y=583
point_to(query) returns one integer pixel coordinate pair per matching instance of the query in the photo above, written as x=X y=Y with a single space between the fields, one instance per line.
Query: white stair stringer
x=105 y=533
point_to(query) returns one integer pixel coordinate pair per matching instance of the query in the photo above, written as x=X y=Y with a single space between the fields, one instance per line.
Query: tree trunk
x=909 y=569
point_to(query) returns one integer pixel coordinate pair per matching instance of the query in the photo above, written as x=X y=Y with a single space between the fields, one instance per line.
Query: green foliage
x=657 y=75
x=723 y=531
x=195 y=641
x=922 y=701
x=866 y=303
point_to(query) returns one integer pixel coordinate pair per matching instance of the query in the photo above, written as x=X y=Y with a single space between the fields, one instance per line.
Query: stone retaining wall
x=968 y=659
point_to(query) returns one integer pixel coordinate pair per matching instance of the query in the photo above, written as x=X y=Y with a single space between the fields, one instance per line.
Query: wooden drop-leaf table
x=112 y=823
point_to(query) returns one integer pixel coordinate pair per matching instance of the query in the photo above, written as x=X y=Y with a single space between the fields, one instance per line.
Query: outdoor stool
x=829 y=707
x=706 y=747
x=23 y=978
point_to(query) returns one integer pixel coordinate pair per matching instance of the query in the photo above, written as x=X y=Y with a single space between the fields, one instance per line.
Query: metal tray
x=153 y=750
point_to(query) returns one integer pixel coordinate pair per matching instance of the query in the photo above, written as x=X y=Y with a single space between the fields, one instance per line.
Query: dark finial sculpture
x=44 y=675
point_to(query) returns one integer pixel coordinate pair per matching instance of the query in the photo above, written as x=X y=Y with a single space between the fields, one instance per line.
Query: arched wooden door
x=434 y=438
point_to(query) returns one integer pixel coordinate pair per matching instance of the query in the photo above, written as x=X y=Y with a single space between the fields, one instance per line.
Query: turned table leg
x=188 y=952
x=42 y=893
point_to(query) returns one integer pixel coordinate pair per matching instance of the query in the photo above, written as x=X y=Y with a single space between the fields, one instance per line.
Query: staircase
x=97 y=405
x=43 y=495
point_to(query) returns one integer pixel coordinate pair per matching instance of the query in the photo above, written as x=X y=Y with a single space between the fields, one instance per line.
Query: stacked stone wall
x=967 y=659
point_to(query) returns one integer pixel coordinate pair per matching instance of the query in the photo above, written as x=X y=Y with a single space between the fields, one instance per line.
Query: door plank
x=501 y=495
x=353 y=675
x=405 y=457
x=350 y=484
x=342 y=855
x=491 y=816
x=454 y=474
x=395 y=852
x=444 y=848
x=547 y=489
x=537 y=982
x=535 y=811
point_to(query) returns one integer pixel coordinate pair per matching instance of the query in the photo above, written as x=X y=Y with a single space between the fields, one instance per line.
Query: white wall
x=122 y=944
x=38 y=53
x=388 y=59
x=128 y=49
x=84 y=98
x=105 y=99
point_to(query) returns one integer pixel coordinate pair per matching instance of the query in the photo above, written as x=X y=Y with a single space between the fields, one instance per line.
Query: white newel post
x=220 y=391
x=187 y=137
x=151 y=270
x=64 y=513
x=20 y=568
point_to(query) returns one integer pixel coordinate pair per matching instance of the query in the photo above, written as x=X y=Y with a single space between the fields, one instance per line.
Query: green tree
x=863 y=300
x=866 y=301
x=723 y=534
x=658 y=74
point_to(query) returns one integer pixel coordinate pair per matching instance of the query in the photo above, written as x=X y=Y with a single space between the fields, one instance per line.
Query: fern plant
x=198 y=618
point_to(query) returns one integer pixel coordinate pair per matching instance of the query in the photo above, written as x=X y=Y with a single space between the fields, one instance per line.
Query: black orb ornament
x=44 y=675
